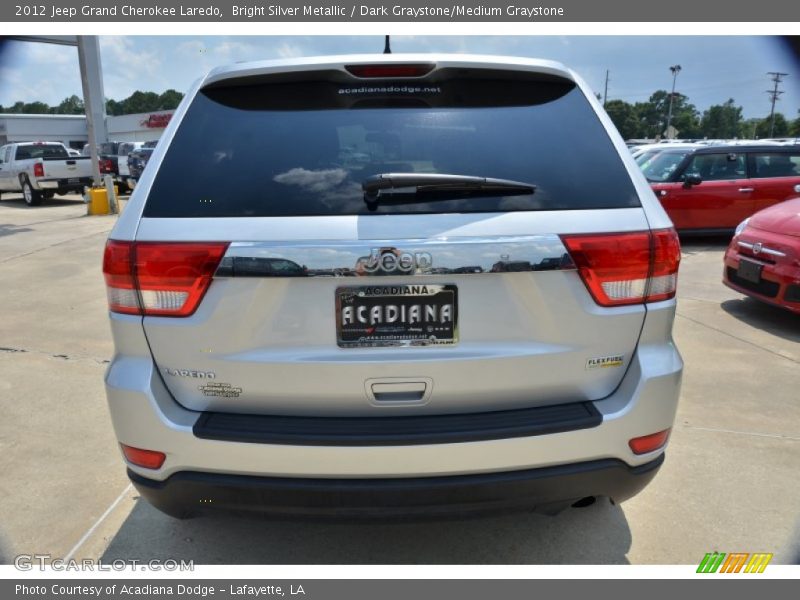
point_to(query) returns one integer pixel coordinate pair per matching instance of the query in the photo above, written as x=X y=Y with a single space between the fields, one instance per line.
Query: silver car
x=393 y=285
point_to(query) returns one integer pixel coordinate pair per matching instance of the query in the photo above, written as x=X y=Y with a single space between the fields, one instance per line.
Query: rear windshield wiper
x=442 y=185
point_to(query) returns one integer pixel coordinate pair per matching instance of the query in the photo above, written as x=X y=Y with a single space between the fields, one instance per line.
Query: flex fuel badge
x=220 y=390
x=605 y=362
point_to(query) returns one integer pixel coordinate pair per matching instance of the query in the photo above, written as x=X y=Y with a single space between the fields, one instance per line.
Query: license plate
x=396 y=315
x=73 y=180
x=749 y=270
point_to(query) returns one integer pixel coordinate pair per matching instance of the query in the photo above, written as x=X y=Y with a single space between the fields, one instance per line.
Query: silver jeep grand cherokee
x=388 y=286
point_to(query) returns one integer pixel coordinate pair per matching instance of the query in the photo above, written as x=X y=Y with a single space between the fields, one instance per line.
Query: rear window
x=41 y=151
x=776 y=164
x=304 y=148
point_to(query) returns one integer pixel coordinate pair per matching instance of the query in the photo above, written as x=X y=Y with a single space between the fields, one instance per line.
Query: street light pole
x=675 y=70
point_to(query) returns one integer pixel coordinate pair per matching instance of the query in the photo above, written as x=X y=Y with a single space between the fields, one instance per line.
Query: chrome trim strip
x=376 y=258
x=762 y=250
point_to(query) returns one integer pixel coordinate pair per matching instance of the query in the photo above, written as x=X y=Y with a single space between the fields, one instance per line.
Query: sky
x=713 y=68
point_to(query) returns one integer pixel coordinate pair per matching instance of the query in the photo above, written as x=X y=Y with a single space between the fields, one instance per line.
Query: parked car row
x=752 y=189
x=119 y=158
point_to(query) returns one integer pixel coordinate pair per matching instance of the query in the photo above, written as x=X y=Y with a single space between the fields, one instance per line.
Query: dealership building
x=72 y=132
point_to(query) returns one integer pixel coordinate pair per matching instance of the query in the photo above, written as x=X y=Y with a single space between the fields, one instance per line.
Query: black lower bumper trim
x=546 y=490
x=394 y=430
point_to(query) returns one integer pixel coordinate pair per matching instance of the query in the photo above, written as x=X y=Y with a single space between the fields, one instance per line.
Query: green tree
x=722 y=120
x=794 y=128
x=781 y=128
x=140 y=102
x=748 y=128
x=35 y=108
x=652 y=115
x=624 y=117
x=113 y=107
x=169 y=99
x=70 y=106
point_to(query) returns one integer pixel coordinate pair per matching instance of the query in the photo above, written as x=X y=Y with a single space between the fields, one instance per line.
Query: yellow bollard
x=98 y=201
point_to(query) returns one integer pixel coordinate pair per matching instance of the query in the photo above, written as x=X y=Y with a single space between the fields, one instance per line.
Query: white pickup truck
x=41 y=170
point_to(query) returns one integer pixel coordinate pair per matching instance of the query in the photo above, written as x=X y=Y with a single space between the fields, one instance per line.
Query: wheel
x=32 y=197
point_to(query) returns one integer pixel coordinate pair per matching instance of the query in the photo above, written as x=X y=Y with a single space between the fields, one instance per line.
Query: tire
x=32 y=197
x=48 y=195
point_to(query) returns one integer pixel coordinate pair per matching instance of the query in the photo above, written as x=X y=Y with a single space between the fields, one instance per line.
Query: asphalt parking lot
x=730 y=482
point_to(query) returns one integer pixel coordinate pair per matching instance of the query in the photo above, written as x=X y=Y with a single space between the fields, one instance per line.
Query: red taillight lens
x=149 y=459
x=666 y=259
x=159 y=279
x=376 y=71
x=627 y=268
x=173 y=278
x=649 y=443
x=118 y=272
x=38 y=170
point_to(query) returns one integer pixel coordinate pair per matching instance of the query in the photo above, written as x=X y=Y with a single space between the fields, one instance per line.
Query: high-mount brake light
x=627 y=268
x=383 y=71
x=159 y=278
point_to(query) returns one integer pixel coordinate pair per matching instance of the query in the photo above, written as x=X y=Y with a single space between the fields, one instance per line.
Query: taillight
x=118 y=272
x=649 y=443
x=627 y=268
x=376 y=71
x=38 y=170
x=149 y=459
x=665 y=261
x=159 y=278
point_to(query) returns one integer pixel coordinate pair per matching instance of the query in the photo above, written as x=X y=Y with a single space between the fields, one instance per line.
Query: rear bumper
x=235 y=466
x=64 y=184
x=546 y=490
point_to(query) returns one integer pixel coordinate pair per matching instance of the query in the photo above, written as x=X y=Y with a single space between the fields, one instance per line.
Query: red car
x=763 y=259
x=713 y=188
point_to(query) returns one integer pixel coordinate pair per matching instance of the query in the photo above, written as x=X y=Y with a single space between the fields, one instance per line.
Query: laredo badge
x=605 y=362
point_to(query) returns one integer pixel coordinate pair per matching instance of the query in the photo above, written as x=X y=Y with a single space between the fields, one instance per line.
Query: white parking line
x=778 y=436
x=92 y=529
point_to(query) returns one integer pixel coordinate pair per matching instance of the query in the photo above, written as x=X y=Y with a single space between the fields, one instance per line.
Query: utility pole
x=675 y=70
x=774 y=96
x=605 y=93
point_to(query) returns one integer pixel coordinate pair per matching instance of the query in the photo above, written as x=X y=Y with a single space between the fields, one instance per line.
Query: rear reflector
x=376 y=71
x=627 y=268
x=648 y=443
x=149 y=459
x=159 y=279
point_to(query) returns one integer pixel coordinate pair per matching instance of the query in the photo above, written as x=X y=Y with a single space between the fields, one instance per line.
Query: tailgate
x=77 y=168
x=271 y=334
x=451 y=294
